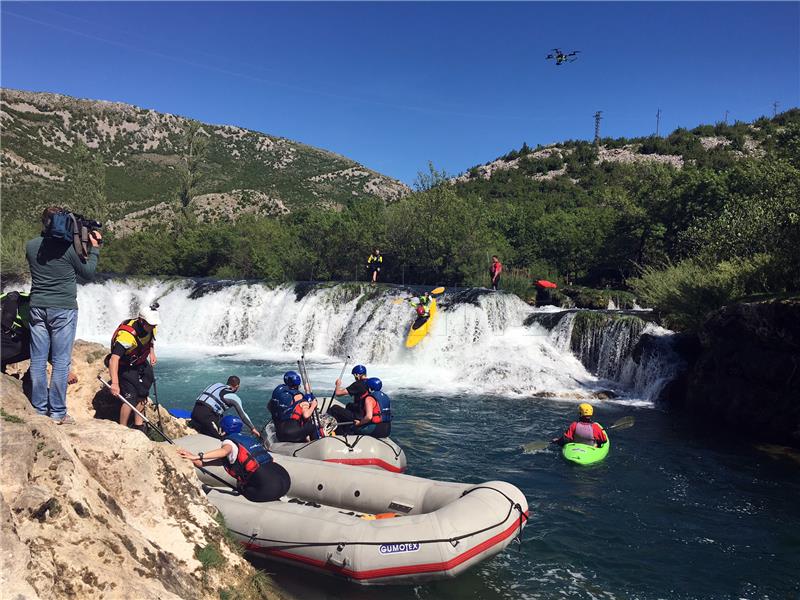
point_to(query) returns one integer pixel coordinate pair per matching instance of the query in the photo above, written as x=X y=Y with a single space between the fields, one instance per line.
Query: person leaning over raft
x=292 y=411
x=583 y=431
x=131 y=361
x=374 y=264
x=258 y=477
x=55 y=267
x=213 y=402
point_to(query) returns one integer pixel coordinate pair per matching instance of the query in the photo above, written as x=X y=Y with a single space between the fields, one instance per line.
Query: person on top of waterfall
x=357 y=390
x=258 y=477
x=292 y=411
x=583 y=431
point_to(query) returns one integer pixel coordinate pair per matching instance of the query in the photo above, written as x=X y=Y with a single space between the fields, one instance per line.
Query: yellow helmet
x=585 y=410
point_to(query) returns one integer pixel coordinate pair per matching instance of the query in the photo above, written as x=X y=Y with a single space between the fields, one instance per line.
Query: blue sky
x=394 y=85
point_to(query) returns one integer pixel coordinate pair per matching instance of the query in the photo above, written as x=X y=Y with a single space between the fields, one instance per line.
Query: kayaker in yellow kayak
x=583 y=431
x=422 y=304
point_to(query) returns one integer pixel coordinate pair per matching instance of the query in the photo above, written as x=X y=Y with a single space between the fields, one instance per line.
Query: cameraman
x=55 y=266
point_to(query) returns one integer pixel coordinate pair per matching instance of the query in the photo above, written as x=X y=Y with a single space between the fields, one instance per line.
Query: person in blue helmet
x=258 y=477
x=375 y=411
x=353 y=411
x=293 y=411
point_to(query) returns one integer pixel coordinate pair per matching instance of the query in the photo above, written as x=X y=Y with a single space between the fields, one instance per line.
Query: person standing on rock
x=258 y=477
x=212 y=403
x=495 y=269
x=55 y=268
x=131 y=361
x=374 y=264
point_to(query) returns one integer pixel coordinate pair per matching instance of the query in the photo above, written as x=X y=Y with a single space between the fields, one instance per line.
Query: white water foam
x=477 y=347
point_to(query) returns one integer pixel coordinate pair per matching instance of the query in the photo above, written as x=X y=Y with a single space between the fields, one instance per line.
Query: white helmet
x=150 y=315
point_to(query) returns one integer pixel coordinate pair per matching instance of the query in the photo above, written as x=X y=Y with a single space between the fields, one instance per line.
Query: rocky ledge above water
x=95 y=510
x=744 y=373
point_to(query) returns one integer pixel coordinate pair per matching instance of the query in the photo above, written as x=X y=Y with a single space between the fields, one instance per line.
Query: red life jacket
x=138 y=353
x=250 y=455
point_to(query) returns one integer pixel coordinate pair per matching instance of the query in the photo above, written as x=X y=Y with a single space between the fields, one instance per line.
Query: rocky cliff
x=745 y=372
x=95 y=510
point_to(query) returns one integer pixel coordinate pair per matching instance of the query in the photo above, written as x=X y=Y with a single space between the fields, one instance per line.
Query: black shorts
x=268 y=483
x=135 y=381
x=205 y=420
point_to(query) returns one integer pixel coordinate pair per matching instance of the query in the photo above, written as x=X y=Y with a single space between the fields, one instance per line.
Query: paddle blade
x=438 y=290
x=623 y=423
x=534 y=446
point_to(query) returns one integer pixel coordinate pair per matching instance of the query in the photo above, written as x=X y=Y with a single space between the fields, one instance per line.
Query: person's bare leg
x=137 y=420
x=124 y=414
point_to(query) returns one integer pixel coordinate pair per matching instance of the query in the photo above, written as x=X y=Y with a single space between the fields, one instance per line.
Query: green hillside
x=144 y=151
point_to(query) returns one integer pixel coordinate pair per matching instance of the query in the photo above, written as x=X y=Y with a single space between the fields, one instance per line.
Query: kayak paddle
x=623 y=423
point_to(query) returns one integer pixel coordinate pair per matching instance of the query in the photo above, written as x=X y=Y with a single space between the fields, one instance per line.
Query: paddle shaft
x=622 y=423
x=161 y=433
x=158 y=406
x=301 y=364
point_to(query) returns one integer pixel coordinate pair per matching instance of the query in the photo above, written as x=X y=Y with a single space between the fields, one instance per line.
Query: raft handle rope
x=161 y=433
x=289 y=545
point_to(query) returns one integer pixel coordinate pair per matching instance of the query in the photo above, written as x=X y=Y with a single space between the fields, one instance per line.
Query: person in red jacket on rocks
x=583 y=431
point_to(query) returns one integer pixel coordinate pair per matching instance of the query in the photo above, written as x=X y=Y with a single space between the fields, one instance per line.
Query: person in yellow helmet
x=583 y=431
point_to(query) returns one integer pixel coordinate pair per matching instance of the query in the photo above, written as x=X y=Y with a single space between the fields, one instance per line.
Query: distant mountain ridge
x=243 y=172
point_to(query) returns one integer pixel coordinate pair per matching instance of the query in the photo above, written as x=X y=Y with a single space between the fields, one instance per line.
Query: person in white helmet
x=131 y=362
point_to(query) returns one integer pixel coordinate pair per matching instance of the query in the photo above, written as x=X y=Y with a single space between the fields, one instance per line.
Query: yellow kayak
x=419 y=328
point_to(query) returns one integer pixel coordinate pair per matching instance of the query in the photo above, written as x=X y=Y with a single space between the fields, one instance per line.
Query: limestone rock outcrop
x=97 y=510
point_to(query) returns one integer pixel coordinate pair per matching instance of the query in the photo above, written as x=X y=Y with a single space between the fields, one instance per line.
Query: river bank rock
x=746 y=372
x=97 y=510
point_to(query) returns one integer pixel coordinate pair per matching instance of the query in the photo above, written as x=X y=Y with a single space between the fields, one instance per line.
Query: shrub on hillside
x=684 y=293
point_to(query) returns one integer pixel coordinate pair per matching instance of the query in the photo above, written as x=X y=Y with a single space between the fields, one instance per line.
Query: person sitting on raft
x=258 y=477
x=292 y=411
x=376 y=408
x=358 y=389
x=583 y=431
x=212 y=403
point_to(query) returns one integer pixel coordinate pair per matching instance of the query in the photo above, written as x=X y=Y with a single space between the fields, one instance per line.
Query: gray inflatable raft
x=371 y=526
x=359 y=450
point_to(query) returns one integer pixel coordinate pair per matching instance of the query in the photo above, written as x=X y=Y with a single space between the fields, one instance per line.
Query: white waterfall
x=480 y=345
x=479 y=342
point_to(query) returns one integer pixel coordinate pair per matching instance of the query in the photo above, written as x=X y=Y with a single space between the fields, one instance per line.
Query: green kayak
x=586 y=455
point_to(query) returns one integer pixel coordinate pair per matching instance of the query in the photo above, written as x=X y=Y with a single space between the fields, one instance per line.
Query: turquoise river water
x=673 y=513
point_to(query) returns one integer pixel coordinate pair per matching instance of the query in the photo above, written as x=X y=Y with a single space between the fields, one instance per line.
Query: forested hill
x=149 y=158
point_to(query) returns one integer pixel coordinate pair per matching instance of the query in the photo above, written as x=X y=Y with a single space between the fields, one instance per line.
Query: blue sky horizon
x=395 y=85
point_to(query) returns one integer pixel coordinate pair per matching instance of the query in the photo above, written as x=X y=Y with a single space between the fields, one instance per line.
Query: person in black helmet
x=292 y=411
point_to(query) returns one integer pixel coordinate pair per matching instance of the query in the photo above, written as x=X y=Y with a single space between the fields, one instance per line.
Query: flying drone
x=562 y=57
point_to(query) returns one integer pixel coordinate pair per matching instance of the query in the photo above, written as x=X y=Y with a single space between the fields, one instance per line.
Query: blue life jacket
x=250 y=456
x=282 y=404
x=384 y=403
x=212 y=397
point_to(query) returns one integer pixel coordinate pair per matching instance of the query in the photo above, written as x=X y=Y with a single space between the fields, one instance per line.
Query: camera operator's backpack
x=61 y=226
x=67 y=227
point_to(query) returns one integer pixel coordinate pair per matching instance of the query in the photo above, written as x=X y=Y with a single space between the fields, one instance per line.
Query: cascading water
x=487 y=342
